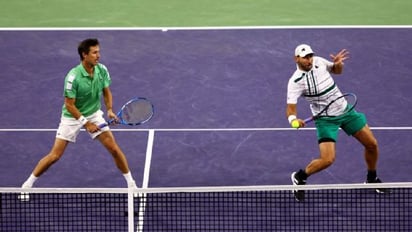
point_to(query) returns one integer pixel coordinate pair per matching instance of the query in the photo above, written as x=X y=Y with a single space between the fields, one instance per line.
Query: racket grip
x=307 y=120
x=106 y=123
x=103 y=125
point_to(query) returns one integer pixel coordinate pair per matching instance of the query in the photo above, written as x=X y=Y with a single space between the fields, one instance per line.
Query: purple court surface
x=230 y=83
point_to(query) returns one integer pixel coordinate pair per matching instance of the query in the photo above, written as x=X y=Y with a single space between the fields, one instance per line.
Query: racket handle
x=103 y=125
x=307 y=120
x=106 y=123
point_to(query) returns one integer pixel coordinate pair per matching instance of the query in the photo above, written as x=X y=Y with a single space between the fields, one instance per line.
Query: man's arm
x=108 y=101
x=291 y=110
x=71 y=107
x=338 y=59
x=291 y=114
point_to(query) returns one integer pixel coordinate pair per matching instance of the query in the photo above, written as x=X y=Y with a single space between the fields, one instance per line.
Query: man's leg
x=109 y=142
x=43 y=165
x=47 y=161
x=326 y=158
x=371 y=152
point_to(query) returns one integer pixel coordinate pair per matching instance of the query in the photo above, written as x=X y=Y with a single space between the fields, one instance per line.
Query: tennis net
x=348 y=207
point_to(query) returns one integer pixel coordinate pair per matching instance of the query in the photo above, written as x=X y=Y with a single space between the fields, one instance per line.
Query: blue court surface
x=219 y=96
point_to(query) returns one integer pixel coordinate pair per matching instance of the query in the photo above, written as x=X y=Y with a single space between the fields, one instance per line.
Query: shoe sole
x=379 y=191
x=295 y=192
x=386 y=191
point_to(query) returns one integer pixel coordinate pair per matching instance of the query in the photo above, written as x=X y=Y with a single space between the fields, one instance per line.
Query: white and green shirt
x=86 y=90
x=317 y=87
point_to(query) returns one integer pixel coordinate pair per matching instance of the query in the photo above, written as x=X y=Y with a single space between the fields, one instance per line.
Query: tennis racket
x=134 y=112
x=349 y=97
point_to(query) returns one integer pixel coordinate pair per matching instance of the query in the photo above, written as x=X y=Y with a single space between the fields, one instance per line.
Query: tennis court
x=219 y=96
x=205 y=79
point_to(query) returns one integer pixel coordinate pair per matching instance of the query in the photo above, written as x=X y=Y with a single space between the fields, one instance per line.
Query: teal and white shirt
x=317 y=87
x=86 y=90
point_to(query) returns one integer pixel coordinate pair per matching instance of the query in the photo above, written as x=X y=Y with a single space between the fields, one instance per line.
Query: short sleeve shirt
x=85 y=89
x=317 y=87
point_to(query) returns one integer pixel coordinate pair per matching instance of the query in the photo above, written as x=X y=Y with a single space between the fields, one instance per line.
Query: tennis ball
x=295 y=124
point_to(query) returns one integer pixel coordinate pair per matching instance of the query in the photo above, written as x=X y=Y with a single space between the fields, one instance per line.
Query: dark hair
x=84 y=46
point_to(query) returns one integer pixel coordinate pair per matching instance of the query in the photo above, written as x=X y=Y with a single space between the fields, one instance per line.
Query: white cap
x=303 y=50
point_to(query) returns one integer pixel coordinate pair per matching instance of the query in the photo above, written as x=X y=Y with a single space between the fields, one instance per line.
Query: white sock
x=30 y=181
x=129 y=178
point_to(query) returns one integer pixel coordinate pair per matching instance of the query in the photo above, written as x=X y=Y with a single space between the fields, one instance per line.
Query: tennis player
x=84 y=85
x=313 y=81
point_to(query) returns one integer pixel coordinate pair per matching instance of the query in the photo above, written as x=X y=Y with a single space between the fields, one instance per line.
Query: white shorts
x=69 y=128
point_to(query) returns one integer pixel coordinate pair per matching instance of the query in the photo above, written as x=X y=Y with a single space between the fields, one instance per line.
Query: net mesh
x=64 y=212
x=207 y=209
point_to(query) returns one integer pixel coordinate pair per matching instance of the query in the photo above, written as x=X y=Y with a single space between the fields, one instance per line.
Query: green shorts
x=328 y=127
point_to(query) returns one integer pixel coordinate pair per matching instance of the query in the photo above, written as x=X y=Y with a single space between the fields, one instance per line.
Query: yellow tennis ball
x=295 y=124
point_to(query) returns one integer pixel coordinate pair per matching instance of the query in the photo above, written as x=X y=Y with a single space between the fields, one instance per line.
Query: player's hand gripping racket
x=135 y=112
x=349 y=97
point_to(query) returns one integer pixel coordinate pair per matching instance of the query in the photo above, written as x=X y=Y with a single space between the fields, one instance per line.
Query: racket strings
x=336 y=107
x=137 y=111
x=340 y=105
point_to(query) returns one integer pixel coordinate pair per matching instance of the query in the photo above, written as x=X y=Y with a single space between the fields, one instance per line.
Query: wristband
x=291 y=118
x=82 y=120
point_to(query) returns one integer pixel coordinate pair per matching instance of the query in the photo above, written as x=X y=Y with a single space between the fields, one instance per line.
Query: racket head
x=351 y=101
x=136 y=111
x=330 y=110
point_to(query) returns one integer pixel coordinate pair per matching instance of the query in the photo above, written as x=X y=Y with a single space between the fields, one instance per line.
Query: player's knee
x=113 y=150
x=328 y=161
x=372 y=146
x=53 y=157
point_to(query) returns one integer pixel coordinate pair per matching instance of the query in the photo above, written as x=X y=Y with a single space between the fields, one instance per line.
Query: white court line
x=199 y=129
x=149 y=151
x=130 y=211
x=164 y=29
x=145 y=185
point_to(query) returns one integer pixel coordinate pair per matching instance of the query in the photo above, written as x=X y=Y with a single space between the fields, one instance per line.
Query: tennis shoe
x=378 y=190
x=299 y=194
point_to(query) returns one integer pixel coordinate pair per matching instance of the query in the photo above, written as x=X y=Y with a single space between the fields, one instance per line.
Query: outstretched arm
x=338 y=61
x=108 y=101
